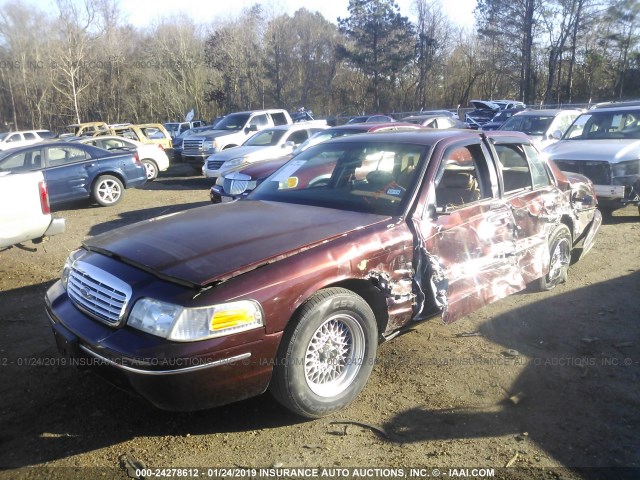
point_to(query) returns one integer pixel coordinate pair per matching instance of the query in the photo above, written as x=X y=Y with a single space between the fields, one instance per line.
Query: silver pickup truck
x=231 y=131
x=24 y=209
x=603 y=144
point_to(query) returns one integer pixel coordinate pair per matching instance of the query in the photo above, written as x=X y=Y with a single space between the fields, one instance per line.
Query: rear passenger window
x=29 y=136
x=463 y=178
x=65 y=155
x=515 y=168
x=279 y=118
x=260 y=121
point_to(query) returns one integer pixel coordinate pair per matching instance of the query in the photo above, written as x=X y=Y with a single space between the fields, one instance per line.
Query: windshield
x=233 y=122
x=323 y=137
x=357 y=176
x=4 y=135
x=529 y=124
x=172 y=128
x=605 y=125
x=265 y=138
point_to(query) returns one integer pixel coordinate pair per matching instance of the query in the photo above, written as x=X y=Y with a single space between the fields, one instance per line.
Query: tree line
x=85 y=62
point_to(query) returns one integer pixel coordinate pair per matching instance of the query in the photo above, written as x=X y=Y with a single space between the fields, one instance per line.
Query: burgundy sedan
x=293 y=288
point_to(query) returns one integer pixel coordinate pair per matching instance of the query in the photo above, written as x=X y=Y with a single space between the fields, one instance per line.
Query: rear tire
x=326 y=355
x=560 y=244
x=151 y=169
x=107 y=190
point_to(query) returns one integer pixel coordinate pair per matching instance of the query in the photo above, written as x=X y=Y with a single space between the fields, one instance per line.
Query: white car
x=543 y=126
x=25 y=213
x=152 y=155
x=20 y=139
x=266 y=144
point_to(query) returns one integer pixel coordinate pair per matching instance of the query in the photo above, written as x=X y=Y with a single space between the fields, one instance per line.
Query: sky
x=143 y=12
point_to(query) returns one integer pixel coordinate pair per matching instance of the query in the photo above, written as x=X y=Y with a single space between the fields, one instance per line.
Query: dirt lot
x=439 y=396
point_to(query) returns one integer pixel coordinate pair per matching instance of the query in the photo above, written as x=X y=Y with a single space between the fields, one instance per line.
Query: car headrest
x=379 y=178
x=457 y=180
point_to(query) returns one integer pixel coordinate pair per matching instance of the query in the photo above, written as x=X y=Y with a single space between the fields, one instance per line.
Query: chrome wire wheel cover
x=334 y=355
x=560 y=258
x=109 y=191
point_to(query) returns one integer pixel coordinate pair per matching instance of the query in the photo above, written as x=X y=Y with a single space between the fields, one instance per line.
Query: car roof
x=370 y=127
x=428 y=136
x=50 y=143
x=105 y=137
x=627 y=108
x=617 y=103
x=548 y=112
x=424 y=117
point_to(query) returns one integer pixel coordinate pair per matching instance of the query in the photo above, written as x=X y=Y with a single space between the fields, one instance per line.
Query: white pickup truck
x=24 y=209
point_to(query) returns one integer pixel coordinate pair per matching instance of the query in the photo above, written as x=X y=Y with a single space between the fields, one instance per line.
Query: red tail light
x=44 y=198
x=136 y=159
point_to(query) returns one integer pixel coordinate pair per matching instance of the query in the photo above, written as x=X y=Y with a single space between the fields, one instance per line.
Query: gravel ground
x=546 y=383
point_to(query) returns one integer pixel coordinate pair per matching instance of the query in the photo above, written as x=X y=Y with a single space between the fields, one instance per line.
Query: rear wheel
x=326 y=355
x=151 y=168
x=107 y=190
x=560 y=257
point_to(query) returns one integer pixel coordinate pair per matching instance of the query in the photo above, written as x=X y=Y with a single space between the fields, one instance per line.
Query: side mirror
x=556 y=135
x=288 y=144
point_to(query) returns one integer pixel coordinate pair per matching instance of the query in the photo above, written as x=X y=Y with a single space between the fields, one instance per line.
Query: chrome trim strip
x=217 y=363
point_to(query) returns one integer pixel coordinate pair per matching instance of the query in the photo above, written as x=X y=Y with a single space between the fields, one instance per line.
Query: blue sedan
x=75 y=171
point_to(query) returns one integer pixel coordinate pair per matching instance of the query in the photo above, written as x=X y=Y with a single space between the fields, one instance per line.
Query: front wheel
x=107 y=190
x=560 y=256
x=326 y=354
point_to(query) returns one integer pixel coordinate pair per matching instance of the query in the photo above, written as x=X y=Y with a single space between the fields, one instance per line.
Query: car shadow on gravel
x=577 y=396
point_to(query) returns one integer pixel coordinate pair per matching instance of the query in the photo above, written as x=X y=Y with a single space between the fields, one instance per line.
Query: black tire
x=313 y=376
x=151 y=168
x=107 y=190
x=560 y=244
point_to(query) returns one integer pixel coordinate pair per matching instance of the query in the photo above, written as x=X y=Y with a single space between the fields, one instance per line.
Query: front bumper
x=170 y=375
x=56 y=226
x=617 y=196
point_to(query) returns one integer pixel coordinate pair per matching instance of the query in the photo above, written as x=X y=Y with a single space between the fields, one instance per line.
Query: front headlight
x=623 y=169
x=209 y=146
x=68 y=266
x=181 y=324
x=234 y=162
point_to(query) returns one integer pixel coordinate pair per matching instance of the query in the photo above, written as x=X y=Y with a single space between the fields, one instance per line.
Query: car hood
x=205 y=245
x=235 y=152
x=210 y=135
x=262 y=169
x=612 y=151
x=484 y=105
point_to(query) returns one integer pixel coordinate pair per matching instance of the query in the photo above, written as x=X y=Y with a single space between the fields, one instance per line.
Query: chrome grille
x=236 y=183
x=194 y=145
x=598 y=172
x=98 y=293
x=214 y=164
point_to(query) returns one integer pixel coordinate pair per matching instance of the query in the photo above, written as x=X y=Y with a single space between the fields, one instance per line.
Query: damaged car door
x=466 y=233
x=535 y=203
